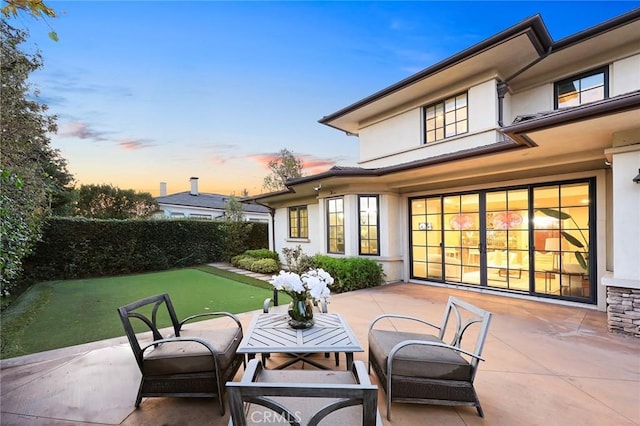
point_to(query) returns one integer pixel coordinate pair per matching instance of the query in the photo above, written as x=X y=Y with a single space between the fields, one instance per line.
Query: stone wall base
x=623 y=310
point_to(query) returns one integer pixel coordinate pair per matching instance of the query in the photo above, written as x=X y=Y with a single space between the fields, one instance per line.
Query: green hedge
x=263 y=254
x=81 y=248
x=350 y=273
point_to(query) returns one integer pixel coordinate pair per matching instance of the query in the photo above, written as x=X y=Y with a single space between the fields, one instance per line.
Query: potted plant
x=305 y=289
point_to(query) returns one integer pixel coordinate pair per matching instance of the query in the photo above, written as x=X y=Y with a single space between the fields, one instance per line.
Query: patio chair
x=303 y=397
x=422 y=368
x=190 y=362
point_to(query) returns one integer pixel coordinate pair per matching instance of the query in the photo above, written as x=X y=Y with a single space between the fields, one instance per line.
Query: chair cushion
x=192 y=357
x=417 y=361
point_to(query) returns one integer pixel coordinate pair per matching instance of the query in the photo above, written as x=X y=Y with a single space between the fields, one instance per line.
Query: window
x=200 y=216
x=446 y=118
x=369 y=223
x=298 y=222
x=581 y=89
x=335 y=225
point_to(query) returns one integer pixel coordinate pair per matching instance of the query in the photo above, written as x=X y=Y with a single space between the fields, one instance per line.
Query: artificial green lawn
x=64 y=313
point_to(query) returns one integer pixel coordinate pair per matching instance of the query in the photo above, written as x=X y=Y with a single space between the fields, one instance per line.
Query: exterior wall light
x=637 y=178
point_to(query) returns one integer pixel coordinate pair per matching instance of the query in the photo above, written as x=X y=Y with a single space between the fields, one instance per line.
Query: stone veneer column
x=623 y=310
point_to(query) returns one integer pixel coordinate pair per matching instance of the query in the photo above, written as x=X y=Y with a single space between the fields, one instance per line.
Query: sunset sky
x=158 y=91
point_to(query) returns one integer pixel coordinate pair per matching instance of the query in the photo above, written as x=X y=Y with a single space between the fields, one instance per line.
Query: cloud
x=75 y=81
x=220 y=153
x=134 y=144
x=310 y=163
x=81 y=130
x=313 y=165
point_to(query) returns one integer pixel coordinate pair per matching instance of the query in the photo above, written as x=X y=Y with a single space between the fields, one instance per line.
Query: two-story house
x=510 y=167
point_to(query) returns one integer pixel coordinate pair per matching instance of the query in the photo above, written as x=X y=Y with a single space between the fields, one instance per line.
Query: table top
x=270 y=332
x=564 y=272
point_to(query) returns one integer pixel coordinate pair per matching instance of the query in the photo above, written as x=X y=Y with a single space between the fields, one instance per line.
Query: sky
x=161 y=91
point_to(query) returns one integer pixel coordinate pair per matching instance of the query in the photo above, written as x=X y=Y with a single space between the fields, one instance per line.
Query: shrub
x=351 y=273
x=265 y=266
x=260 y=260
x=263 y=254
x=242 y=261
x=296 y=260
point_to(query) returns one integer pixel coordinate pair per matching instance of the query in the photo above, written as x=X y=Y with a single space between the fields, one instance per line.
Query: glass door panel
x=461 y=237
x=562 y=240
x=426 y=238
x=507 y=239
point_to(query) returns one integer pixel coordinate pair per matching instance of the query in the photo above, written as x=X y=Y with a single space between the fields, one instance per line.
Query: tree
x=35 y=8
x=234 y=210
x=32 y=174
x=284 y=166
x=110 y=202
x=237 y=231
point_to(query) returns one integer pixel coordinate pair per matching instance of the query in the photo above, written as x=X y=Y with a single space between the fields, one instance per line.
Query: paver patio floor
x=547 y=364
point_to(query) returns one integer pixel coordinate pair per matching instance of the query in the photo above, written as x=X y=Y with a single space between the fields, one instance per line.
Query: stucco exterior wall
x=310 y=246
x=399 y=139
x=530 y=101
x=626 y=217
x=625 y=75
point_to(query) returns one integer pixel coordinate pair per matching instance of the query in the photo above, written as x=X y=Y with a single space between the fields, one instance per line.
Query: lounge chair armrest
x=404 y=317
x=405 y=343
x=210 y=314
x=266 y=306
x=183 y=339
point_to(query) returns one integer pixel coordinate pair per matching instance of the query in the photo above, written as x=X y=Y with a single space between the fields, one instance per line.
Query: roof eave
x=608 y=106
x=543 y=42
x=596 y=30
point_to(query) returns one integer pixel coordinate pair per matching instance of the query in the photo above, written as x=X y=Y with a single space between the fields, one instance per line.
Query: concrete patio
x=547 y=364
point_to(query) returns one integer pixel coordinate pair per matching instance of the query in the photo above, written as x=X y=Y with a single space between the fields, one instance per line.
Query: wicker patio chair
x=303 y=397
x=189 y=362
x=422 y=368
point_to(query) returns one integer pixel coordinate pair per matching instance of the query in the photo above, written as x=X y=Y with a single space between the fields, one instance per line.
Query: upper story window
x=335 y=225
x=369 y=225
x=298 y=222
x=446 y=118
x=583 y=88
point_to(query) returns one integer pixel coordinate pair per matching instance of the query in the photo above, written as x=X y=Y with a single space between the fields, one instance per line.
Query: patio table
x=271 y=333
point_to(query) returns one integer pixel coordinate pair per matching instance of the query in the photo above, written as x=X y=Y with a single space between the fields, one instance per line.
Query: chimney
x=163 y=189
x=194 y=185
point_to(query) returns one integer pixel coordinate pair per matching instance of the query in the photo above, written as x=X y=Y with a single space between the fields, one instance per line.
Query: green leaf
x=581 y=260
x=573 y=240
x=53 y=35
x=557 y=214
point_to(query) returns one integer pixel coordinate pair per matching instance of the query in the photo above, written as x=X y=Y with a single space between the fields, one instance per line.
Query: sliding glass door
x=533 y=239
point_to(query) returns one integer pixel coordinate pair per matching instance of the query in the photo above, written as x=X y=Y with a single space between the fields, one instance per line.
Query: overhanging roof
x=509 y=54
x=505 y=53
x=535 y=146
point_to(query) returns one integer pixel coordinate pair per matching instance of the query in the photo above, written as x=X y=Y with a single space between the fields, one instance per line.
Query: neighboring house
x=196 y=205
x=459 y=161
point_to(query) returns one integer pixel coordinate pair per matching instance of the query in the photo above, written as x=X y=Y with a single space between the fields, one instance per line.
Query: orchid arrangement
x=313 y=284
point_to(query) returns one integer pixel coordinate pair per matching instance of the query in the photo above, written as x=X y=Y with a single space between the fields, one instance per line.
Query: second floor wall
x=401 y=138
